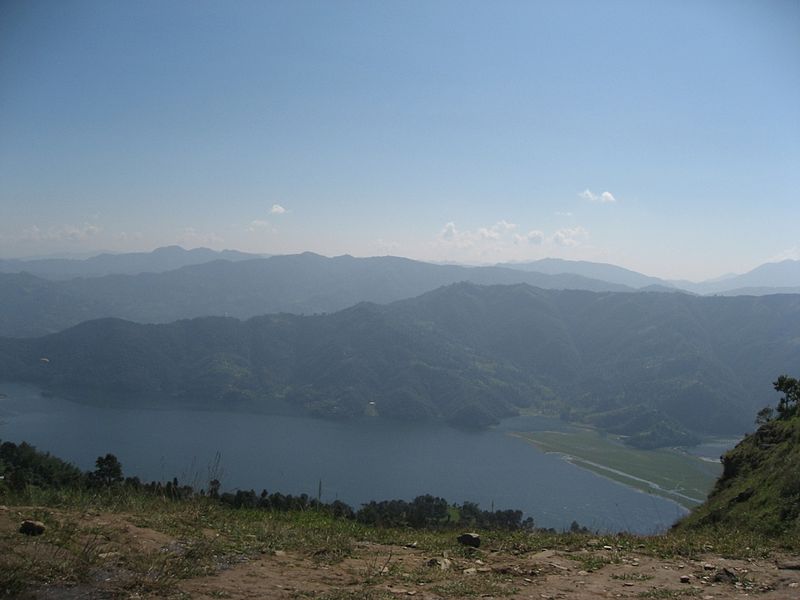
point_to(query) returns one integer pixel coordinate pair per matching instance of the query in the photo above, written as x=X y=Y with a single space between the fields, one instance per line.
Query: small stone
x=583 y=573
x=29 y=527
x=789 y=565
x=708 y=566
x=794 y=584
x=725 y=576
x=470 y=571
x=442 y=563
x=473 y=540
x=278 y=553
x=685 y=578
x=607 y=547
x=108 y=555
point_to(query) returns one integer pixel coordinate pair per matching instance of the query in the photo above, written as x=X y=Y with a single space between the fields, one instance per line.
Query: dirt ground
x=405 y=572
x=377 y=572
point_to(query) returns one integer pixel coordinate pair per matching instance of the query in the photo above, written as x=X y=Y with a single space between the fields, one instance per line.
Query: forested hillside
x=657 y=367
x=759 y=489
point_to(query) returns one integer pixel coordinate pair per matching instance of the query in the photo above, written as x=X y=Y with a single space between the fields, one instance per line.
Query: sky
x=662 y=136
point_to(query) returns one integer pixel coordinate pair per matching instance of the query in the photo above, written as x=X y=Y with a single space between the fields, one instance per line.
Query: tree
x=765 y=415
x=787 y=406
x=108 y=471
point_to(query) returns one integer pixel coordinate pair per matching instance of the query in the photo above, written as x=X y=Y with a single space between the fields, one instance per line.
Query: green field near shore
x=666 y=472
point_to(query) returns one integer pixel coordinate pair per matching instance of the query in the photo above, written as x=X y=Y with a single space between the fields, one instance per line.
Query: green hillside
x=759 y=489
x=656 y=368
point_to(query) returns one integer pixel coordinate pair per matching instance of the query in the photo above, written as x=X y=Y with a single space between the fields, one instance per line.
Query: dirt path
x=382 y=571
x=126 y=560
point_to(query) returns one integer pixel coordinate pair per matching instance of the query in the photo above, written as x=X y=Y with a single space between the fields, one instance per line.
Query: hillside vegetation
x=656 y=367
x=759 y=489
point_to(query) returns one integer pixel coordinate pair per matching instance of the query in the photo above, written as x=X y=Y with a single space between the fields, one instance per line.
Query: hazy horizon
x=96 y=253
x=661 y=137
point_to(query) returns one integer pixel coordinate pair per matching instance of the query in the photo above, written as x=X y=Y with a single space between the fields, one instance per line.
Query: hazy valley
x=660 y=367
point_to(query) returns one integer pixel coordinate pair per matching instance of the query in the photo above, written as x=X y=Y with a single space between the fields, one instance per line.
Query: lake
x=356 y=462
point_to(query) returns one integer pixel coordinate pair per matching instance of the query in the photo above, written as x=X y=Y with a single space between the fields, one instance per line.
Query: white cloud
x=792 y=253
x=503 y=241
x=70 y=233
x=191 y=237
x=570 y=236
x=125 y=236
x=449 y=232
x=258 y=225
x=496 y=231
x=607 y=197
x=488 y=234
x=463 y=239
x=277 y=209
x=604 y=198
x=534 y=236
x=564 y=214
x=385 y=246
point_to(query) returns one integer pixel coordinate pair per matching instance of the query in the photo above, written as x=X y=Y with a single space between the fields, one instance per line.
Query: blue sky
x=661 y=136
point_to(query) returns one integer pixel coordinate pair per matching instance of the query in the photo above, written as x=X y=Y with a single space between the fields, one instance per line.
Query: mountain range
x=770 y=278
x=159 y=260
x=592 y=270
x=299 y=283
x=145 y=287
x=656 y=367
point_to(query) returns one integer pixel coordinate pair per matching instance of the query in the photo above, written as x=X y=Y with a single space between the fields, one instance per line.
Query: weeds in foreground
x=209 y=536
x=68 y=555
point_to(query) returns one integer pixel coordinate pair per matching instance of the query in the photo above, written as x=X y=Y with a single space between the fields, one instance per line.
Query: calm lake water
x=356 y=462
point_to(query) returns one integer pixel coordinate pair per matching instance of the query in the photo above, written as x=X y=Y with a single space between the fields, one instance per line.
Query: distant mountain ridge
x=655 y=367
x=306 y=283
x=773 y=276
x=159 y=260
x=769 y=278
x=593 y=270
x=299 y=283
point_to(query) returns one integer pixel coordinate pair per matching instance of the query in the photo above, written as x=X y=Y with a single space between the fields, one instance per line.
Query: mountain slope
x=759 y=489
x=161 y=259
x=302 y=284
x=769 y=278
x=593 y=270
x=655 y=366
